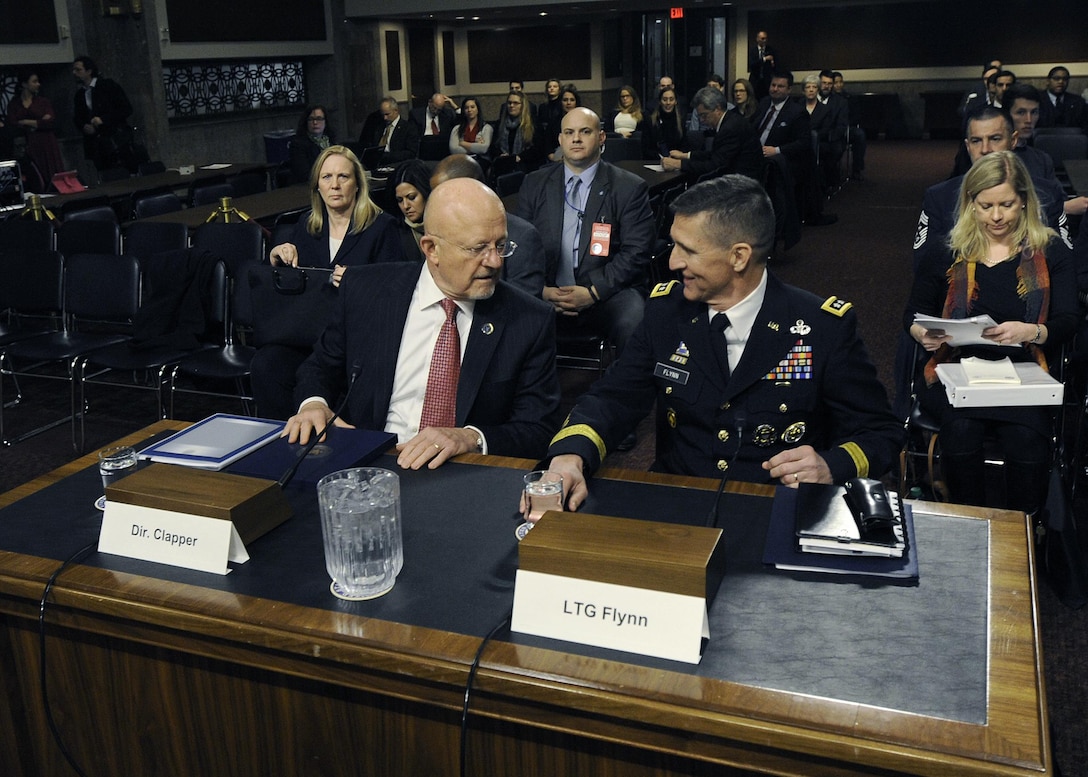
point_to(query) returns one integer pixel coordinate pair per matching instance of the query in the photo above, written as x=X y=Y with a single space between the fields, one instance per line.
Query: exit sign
x=676 y=13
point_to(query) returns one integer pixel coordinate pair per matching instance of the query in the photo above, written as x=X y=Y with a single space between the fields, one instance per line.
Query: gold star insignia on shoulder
x=662 y=289
x=836 y=306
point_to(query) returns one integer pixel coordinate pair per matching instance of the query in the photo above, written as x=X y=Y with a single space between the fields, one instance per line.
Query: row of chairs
x=72 y=318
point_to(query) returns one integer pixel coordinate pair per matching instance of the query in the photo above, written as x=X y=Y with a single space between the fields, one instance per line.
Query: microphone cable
x=712 y=516
x=287 y=476
x=468 y=685
x=79 y=555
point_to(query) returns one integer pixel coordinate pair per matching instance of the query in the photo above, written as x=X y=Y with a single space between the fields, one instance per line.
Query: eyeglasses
x=316 y=119
x=514 y=102
x=504 y=249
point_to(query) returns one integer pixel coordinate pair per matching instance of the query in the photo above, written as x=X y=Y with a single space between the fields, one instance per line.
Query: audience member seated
x=393 y=322
x=714 y=81
x=627 y=117
x=666 y=127
x=550 y=112
x=735 y=148
x=397 y=138
x=1059 y=108
x=412 y=187
x=516 y=146
x=33 y=116
x=434 y=123
x=859 y=142
x=978 y=98
x=663 y=83
x=344 y=229
x=598 y=229
x=736 y=327
x=473 y=135
x=312 y=136
x=569 y=99
x=517 y=85
x=997 y=83
x=1000 y=262
x=744 y=99
x=524 y=267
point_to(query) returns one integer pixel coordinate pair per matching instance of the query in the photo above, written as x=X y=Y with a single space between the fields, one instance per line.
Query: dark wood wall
x=927 y=34
x=534 y=53
x=213 y=21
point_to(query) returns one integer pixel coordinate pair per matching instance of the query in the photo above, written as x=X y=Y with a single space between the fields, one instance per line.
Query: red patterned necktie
x=434 y=126
x=440 y=401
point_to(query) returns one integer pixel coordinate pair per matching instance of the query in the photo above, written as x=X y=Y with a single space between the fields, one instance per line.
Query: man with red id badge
x=597 y=227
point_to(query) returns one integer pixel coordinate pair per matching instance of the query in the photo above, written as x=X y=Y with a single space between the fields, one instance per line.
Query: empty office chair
x=208 y=372
x=172 y=322
x=245 y=184
x=144 y=239
x=145 y=204
x=207 y=194
x=27 y=235
x=1062 y=146
x=99 y=299
x=101 y=211
x=30 y=296
x=509 y=183
x=241 y=245
x=89 y=237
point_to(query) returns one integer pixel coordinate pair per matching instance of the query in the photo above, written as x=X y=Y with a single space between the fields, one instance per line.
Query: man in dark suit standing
x=1058 y=108
x=597 y=227
x=762 y=64
x=832 y=134
x=735 y=148
x=749 y=376
x=398 y=139
x=100 y=111
x=446 y=355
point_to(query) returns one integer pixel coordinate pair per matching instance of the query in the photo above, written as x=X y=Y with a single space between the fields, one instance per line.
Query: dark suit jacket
x=380 y=242
x=790 y=132
x=403 y=143
x=805 y=378
x=447 y=118
x=760 y=71
x=525 y=267
x=508 y=386
x=1073 y=113
x=735 y=149
x=110 y=103
x=833 y=121
x=617 y=198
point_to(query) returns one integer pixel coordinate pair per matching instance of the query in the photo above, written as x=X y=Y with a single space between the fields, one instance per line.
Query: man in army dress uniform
x=780 y=390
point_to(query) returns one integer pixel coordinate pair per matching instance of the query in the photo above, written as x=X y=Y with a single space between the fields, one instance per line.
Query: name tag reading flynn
x=662 y=370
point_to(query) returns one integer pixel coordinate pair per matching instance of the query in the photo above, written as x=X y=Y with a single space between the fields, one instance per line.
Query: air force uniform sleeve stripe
x=922 y=234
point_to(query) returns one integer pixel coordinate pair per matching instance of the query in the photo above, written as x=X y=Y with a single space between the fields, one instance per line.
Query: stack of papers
x=826 y=524
x=989 y=371
x=963 y=331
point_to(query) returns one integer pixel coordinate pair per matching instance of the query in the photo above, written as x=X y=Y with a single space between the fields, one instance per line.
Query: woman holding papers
x=1006 y=263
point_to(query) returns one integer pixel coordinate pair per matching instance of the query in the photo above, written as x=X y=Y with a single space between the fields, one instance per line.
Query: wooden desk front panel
x=149 y=677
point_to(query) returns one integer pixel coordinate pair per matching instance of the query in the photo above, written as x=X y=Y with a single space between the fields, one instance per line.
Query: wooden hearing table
x=163 y=671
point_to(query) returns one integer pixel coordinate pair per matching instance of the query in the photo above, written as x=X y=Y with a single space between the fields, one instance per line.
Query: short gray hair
x=711 y=99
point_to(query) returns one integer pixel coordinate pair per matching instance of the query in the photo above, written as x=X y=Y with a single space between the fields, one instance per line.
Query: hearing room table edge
x=178 y=679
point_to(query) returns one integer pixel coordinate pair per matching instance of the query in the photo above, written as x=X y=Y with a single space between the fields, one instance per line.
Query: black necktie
x=718 y=343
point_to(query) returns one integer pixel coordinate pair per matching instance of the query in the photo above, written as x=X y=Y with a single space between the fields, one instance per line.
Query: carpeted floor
x=864 y=258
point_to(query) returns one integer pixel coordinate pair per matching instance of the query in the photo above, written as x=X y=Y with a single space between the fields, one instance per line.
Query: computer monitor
x=11 y=185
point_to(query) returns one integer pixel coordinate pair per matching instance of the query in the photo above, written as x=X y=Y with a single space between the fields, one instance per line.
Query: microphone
x=287 y=476
x=712 y=516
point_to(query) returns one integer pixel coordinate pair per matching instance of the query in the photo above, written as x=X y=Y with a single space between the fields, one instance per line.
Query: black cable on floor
x=77 y=556
x=468 y=685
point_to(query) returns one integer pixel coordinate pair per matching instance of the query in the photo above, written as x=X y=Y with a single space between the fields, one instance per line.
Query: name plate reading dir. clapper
x=191 y=518
x=639 y=586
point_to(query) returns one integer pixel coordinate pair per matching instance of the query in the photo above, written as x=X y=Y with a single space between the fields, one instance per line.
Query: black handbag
x=291 y=305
